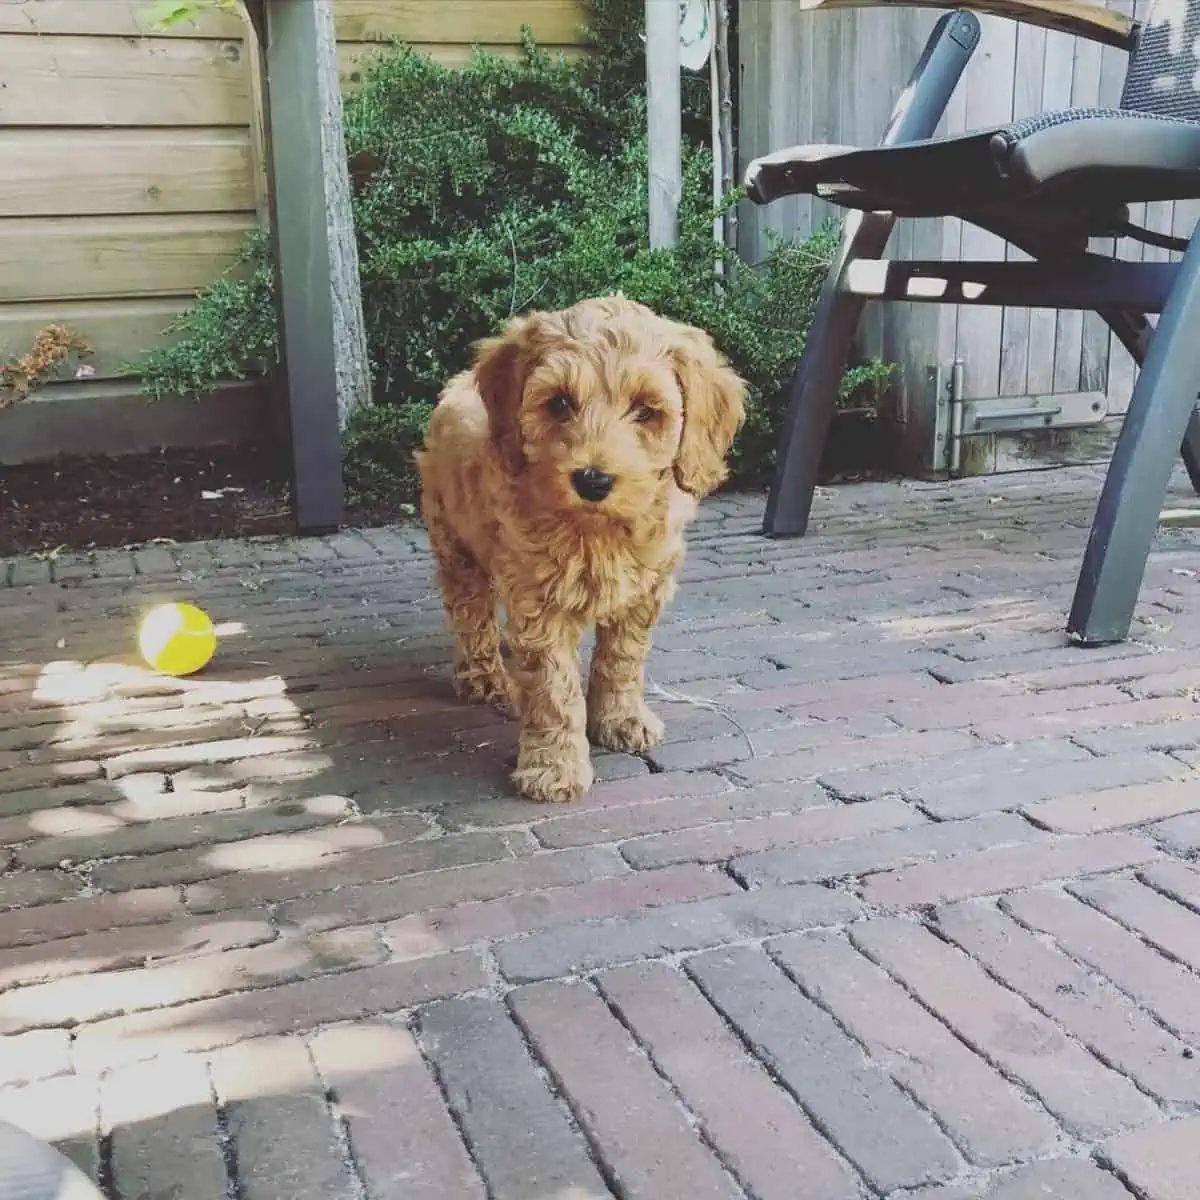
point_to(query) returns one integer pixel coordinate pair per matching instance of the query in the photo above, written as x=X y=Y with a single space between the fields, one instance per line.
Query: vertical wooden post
x=304 y=260
x=665 y=120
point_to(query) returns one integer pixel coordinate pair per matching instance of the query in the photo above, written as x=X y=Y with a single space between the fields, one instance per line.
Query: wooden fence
x=130 y=182
x=834 y=77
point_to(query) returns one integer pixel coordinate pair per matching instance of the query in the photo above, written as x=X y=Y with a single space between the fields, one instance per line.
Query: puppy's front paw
x=552 y=781
x=629 y=730
x=475 y=683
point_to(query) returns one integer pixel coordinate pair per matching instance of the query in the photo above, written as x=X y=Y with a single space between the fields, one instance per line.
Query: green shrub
x=503 y=186
x=229 y=332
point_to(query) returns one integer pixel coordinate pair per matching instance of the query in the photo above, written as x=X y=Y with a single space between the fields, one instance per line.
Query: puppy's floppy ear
x=713 y=410
x=500 y=369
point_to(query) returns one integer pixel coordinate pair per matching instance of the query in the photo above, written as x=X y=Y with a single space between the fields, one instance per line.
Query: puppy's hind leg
x=617 y=715
x=479 y=674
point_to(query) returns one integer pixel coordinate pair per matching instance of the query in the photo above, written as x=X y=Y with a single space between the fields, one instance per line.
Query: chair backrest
x=1164 y=70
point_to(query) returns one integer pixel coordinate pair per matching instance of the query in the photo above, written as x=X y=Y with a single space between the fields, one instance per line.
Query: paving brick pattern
x=907 y=905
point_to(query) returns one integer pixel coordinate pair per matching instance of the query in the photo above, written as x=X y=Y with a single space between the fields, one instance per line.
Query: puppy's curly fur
x=556 y=408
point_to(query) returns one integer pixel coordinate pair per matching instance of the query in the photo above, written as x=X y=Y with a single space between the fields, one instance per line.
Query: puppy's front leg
x=553 y=762
x=618 y=718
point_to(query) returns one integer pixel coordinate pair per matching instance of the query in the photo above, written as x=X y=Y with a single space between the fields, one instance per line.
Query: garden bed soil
x=176 y=495
x=188 y=495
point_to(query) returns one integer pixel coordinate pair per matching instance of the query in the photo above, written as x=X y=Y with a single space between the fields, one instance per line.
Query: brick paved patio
x=905 y=906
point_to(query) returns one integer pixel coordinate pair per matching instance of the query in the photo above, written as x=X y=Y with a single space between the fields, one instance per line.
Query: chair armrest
x=1079 y=17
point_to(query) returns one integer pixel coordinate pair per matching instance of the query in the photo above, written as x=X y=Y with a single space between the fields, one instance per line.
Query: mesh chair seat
x=1090 y=158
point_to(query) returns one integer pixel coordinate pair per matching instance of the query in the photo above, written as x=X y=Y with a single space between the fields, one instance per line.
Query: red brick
x=20 y=779
x=1163 y=923
x=97 y=995
x=501 y=1099
x=1179 y=835
x=617 y=824
x=855 y=1103
x=286 y=1142
x=249 y=827
x=649 y=1146
x=671 y=929
x=1052 y=1179
x=111 y=949
x=640 y=789
x=346 y=865
x=29 y=1056
x=1119 y=668
x=177 y=758
x=1113 y=727
x=1007 y=868
x=1168 y=683
x=976 y=1105
x=1162 y=1162
x=68 y=918
x=852 y=754
x=1156 y=982
x=847 y=698
x=688 y=755
x=448 y=928
x=453 y=886
x=404 y=1142
x=27 y=889
x=268 y=1066
x=720 y=1084
x=948 y=783
x=715 y=843
x=165 y=1136
x=965 y=704
x=1117 y=808
x=290 y=1008
x=1087 y=1097
x=1118 y=1033
x=1178 y=880
x=63 y=1107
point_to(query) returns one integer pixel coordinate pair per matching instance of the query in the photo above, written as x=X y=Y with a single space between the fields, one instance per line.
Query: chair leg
x=818 y=377
x=1136 y=333
x=1191 y=450
x=1161 y=412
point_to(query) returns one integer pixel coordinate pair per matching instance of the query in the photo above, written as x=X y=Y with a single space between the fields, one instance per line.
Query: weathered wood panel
x=62 y=258
x=118 y=330
x=557 y=22
x=86 y=82
x=125 y=171
x=841 y=72
x=131 y=167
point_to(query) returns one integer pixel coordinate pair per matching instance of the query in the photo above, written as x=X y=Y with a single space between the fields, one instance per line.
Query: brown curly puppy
x=557 y=479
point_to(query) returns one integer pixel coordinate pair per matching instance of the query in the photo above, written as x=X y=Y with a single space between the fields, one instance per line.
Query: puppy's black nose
x=592 y=484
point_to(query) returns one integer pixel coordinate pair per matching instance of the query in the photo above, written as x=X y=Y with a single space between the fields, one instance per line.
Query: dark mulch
x=181 y=495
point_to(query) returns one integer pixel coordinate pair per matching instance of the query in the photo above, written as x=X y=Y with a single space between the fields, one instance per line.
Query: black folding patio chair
x=1047 y=184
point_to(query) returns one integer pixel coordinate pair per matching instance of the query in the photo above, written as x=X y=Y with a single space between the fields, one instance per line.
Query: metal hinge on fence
x=957 y=418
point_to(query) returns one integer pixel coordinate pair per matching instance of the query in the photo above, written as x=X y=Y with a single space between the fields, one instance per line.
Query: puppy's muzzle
x=592 y=483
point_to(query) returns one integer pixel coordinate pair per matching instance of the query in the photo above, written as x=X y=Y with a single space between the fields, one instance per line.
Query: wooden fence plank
x=1027 y=100
x=106 y=18
x=82 y=81
x=117 y=330
x=95 y=172
x=553 y=21
x=99 y=257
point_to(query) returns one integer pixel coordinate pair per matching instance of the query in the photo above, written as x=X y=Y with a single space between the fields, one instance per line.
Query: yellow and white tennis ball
x=177 y=639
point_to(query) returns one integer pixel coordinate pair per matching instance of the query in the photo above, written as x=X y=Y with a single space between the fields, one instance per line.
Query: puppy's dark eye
x=560 y=407
x=643 y=413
